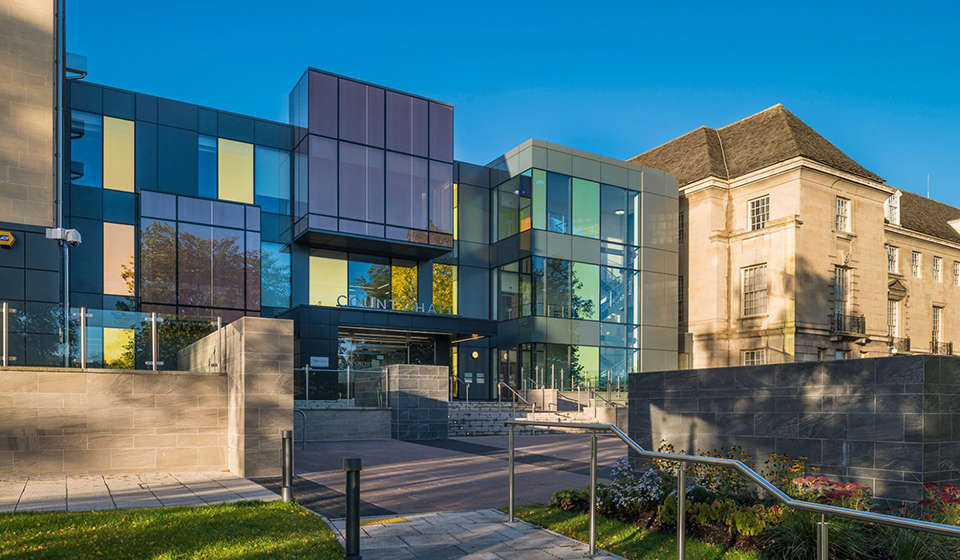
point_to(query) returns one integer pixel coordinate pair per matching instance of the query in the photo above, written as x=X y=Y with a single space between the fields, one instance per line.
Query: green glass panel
x=585 y=281
x=585 y=365
x=586 y=208
x=539 y=199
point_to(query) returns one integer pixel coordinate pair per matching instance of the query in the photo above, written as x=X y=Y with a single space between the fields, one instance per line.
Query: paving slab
x=493 y=538
x=126 y=491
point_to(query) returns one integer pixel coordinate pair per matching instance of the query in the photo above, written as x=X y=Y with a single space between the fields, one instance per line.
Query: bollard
x=823 y=539
x=682 y=512
x=352 y=536
x=287 y=466
x=510 y=444
x=593 y=494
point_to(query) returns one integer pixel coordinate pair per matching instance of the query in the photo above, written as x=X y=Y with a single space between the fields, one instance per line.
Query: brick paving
x=126 y=491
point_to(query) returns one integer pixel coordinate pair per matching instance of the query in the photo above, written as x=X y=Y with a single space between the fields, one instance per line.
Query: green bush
x=904 y=544
x=570 y=500
x=795 y=538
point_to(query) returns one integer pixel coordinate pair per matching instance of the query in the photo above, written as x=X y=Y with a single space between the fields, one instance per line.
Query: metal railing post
x=286 y=466
x=466 y=385
x=220 y=364
x=306 y=382
x=303 y=437
x=553 y=378
x=83 y=338
x=154 y=342
x=348 y=385
x=352 y=536
x=682 y=511
x=593 y=494
x=823 y=538
x=6 y=333
x=510 y=444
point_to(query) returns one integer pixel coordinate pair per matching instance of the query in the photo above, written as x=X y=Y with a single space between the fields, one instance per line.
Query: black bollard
x=352 y=537
x=286 y=466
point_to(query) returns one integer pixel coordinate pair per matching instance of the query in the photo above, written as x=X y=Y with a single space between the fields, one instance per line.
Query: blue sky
x=881 y=82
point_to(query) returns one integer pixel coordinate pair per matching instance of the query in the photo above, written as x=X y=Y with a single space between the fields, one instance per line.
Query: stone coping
x=338 y=408
x=43 y=369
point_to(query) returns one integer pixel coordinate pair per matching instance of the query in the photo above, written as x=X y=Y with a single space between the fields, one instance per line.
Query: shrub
x=826 y=491
x=570 y=499
x=905 y=544
x=794 y=538
x=630 y=496
x=748 y=521
x=942 y=504
x=781 y=470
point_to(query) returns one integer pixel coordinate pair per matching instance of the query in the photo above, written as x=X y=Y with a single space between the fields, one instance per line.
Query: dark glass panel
x=558 y=203
x=195 y=210
x=441 y=197
x=86 y=149
x=406 y=191
x=227 y=258
x=361 y=113
x=158 y=205
x=368 y=278
x=361 y=183
x=272 y=179
x=207 y=167
x=158 y=261
x=253 y=218
x=633 y=218
x=406 y=118
x=508 y=217
x=613 y=295
x=275 y=275
x=613 y=214
x=441 y=132
x=323 y=176
x=194 y=265
x=254 y=270
x=322 y=104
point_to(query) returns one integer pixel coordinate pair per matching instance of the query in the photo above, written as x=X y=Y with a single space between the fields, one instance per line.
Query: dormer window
x=891 y=208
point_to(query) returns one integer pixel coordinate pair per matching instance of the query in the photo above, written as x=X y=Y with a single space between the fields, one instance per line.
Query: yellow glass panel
x=403 y=286
x=587 y=361
x=456 y=212
x=235 y=171
x=118 y=348
x=118 y=252
x=328 y=281
x=118 y=154
x=445 y=290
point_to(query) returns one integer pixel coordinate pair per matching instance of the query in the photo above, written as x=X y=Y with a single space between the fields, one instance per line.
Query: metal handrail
x=466 y=388
x=824 y=510
x=516 y=396
x=303 y=438
x=596 y=395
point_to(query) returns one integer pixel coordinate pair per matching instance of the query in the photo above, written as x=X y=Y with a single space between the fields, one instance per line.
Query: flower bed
x=725 y=508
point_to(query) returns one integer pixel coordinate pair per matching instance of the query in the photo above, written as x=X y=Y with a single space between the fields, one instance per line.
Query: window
x=680 y=227
x=558 y=203
x=406 y=188
x=118 y=154
x=445 y=288
x=759 y=212
x=956 y=273
x=586 y=208
x=403 y=284
x=118 y=251
x=613 y=214
x=368 y=278
x=755 y=357
x=272 y=180
x=893 y=318
x=86 y=149
x=361 y=183
x=915 y=264
x=207 y=166
x=441 y=197
x=235 y=171
x=937 y=324
x=539 y=199
x=843 y=214
x=328 y=280
x=754 y=286
x=275 y=275
x=893 y=259
x=841 y=355
x=680 y=298
x=585 y=281
x=891 y=208
x=938 y=269
x=841 y=293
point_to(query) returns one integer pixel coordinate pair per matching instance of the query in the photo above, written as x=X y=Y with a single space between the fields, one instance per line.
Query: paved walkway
x=126 y=491
x=454 y=475
x=473 y=535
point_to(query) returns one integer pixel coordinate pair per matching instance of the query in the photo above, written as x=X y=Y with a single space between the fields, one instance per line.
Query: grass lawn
x=626 y=540
x=247 y=530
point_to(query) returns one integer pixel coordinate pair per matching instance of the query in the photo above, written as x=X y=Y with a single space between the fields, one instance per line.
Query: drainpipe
x=58 y=122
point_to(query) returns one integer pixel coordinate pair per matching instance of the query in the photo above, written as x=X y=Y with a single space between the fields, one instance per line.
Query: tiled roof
x=928 y=216
x=760 y=140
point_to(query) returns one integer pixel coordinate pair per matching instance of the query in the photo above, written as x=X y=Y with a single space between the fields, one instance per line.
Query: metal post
x=348 y=385
x=6 y=335
x=286 y=466
x=510 y=469
x=352 y=468
x=220 y=364
x=553 y=378
x=593 y=494
x=681 y=511
x=83 y=338
x=467 y=391
x=306 y=381
x=579 y=408
x=823 y=539
x=154 y=342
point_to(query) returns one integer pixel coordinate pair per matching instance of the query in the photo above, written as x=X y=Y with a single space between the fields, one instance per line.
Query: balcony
x=943 y=348
x=899 y=345
x=855 y=325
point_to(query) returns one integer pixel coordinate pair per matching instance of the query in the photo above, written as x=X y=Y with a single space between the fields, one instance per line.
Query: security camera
x=73 y=237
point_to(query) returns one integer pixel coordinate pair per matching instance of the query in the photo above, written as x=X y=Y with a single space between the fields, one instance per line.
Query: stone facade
x=888 y=423
x=26 y=112
x=419 y=397
x=328 y=424
x=62 y=421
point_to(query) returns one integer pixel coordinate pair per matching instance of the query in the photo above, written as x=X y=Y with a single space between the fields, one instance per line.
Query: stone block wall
x=63 y=421
x=418 y=397
x=328 y=424
x=889 y=423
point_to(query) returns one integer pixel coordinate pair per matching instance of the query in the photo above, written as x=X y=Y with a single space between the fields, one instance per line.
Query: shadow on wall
x=880 y=422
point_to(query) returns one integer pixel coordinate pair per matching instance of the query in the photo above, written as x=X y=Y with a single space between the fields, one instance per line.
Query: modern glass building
x=548 y=266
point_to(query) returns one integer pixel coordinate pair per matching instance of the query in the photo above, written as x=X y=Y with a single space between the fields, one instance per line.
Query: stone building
x=801 y=253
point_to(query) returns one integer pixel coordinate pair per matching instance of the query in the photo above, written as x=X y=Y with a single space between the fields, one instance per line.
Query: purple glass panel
x=361 y=183
x=228 y=215
x=323 y=176
x=406 y=124
x=441 y=132
x=194 y=266
x=374 y=117
x=227 y=258
x=158 y=205
x=158 y=261
x=441 y=197
x=323 y=104
x=322 y=222
x=361 y=113
x=253 y=218
x=195 y=210
x=406 y=191
x=253 y=271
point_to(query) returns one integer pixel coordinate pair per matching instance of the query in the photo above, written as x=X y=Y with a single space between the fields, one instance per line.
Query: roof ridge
x=698 y=129
x=757 y=114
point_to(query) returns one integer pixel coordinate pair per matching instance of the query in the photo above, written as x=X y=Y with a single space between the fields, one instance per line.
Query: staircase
x=487 y=418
